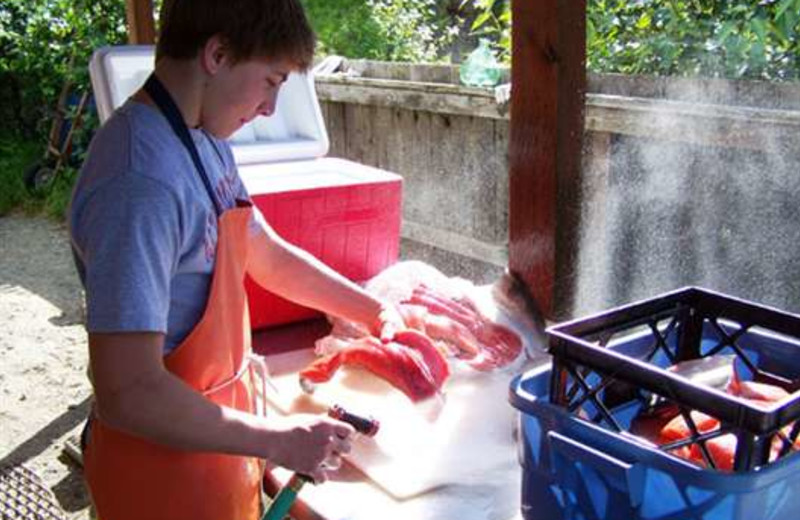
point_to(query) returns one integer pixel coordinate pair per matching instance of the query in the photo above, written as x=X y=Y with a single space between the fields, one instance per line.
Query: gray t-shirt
x=143 y=227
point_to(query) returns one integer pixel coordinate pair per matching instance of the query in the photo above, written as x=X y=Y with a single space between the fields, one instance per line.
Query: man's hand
x=309 y=444
x=388 y=323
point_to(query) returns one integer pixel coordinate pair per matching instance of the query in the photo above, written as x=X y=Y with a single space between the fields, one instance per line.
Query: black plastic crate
x=611 y=367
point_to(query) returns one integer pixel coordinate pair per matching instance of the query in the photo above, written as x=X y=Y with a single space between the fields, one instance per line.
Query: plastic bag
x=480 y=69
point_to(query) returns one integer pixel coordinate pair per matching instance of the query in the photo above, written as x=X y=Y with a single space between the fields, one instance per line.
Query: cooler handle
x=623 y=476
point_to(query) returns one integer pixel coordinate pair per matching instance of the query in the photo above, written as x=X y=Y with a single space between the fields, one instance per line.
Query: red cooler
x=344 y=213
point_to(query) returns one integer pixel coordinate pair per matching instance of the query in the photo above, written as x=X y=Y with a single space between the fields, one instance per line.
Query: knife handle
x=368 y=426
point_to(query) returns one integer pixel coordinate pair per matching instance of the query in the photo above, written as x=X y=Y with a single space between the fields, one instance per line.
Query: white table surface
x=350 y=494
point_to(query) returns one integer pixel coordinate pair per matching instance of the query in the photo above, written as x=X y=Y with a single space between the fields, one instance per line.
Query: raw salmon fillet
x=452 y=324
x=484 y=344
x=411 y=363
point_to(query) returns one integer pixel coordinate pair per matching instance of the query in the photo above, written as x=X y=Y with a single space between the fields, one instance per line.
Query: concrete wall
x=450 y=145
x=685 y=182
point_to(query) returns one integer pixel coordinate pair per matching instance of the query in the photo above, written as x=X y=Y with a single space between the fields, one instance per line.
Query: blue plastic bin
x=575 y=469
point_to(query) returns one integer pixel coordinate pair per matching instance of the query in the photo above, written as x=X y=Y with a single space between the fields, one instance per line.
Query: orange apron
x=133 y=479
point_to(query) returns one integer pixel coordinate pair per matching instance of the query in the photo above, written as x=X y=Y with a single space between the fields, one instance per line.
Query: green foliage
x=690 y=37
x=392 y=30
x=345 y=27
x=44 y=43
x=734 y=39
x=493 y=22
x=407 y=27
x=15 y=157
x=56 y=198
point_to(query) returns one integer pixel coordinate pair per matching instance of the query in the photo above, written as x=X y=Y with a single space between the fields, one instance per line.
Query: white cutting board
x=459 y=439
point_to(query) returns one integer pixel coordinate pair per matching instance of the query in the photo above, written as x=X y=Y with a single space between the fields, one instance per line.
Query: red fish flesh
x=457 y=339
x=721 y=449
x=669 y=426
x=410 y=362
x=760 y=394
x=453 y=320
x=485 y=344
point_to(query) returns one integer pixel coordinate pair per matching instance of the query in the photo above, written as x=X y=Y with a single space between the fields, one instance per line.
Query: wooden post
x=547 y=101
x=141 y=22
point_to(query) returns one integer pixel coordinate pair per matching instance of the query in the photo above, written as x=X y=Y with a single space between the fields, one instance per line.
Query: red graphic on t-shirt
x=211 y=238
x=227 y=188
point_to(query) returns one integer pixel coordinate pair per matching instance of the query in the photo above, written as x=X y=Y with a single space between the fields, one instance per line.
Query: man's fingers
x=389 y=323
x=319 y=476
x=332 y=462
x=340 y=446
x=342 y=430
x=388 y=332
x=344 y=447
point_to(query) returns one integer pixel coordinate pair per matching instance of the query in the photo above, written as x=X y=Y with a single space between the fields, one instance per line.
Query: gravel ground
x=44 y=392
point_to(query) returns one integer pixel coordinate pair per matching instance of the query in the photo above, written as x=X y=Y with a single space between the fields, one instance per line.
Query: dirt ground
x=44 y=392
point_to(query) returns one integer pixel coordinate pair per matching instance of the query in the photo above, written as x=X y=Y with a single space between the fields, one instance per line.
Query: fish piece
x=677 y=429
x=434 y=360
x=497 y=346
x=648 y=423
x=719 y=448
x=712 y=371
x=655 y=425
x=411 y=363
x=460 y=341
x=484 y=328
x=759 y=394
x=722 y=450
x=440 y=304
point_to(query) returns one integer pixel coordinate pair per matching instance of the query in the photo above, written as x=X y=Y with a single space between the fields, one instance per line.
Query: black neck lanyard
x=160 y=96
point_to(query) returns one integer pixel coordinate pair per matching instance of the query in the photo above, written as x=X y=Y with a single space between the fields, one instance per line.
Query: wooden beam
x=694 y=123
x=547 y=100
x=430 y=97
x=141 y=22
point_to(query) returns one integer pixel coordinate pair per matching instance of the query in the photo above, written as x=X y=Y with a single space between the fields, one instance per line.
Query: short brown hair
x=251 y=28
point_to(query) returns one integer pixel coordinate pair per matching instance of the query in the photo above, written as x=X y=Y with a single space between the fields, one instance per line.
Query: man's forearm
x=298 y=276
x=135 y=393
x=163 y=409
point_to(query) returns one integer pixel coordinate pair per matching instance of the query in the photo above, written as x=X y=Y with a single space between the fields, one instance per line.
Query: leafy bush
x=736 y=39
x=493 y=21
x=392 y=30
x=689 y=37
x=56 y=198
x=15 y=157
x=345 y=27
x=44 y=43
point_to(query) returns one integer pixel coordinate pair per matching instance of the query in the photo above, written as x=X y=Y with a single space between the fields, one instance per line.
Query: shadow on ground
x=35 y=255
x=45 y=437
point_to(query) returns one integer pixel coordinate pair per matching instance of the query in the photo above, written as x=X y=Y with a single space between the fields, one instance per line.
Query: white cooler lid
x=305 y=175
x=295 y=131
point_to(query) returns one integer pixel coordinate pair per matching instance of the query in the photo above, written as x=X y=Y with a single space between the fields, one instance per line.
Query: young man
x=163 y=235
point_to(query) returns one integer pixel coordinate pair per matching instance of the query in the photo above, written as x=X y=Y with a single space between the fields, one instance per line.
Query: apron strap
x=161 y=97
